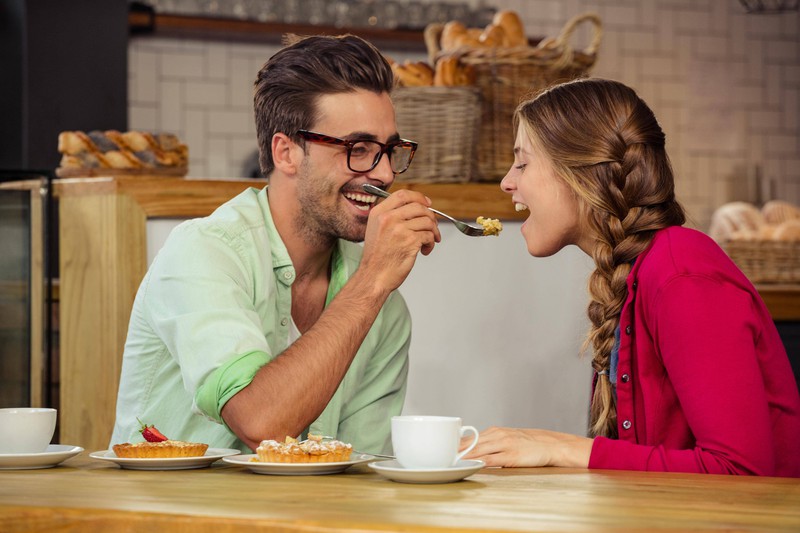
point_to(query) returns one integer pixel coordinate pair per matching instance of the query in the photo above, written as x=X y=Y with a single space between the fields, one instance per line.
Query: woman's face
x=554 y=219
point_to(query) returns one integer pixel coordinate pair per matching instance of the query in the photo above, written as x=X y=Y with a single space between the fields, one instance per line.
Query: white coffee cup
x=429 y=442
x=26 y=429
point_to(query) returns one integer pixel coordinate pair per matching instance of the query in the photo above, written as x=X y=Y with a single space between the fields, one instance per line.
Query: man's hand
x=399 y=228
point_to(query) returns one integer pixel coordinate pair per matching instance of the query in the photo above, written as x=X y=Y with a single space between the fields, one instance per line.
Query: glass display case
x=26 y=289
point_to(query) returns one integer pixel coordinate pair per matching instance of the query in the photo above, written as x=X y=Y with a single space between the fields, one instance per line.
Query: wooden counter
x=86 y=495
x=104 y=258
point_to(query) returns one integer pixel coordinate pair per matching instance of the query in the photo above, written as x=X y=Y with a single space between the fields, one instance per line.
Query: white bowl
x=26 y=429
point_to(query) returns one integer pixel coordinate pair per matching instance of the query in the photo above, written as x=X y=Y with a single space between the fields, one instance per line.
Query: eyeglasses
x=364 y=155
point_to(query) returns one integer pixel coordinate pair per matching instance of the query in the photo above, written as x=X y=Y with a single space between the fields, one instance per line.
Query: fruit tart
x=157 y=446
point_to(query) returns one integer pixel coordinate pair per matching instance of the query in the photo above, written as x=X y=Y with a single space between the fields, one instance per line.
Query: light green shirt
x=215 y=306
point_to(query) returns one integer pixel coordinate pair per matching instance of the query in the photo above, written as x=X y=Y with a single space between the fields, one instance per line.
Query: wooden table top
x=85 y=494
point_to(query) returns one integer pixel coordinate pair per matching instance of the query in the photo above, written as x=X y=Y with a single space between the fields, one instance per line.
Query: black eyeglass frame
x=385 y=148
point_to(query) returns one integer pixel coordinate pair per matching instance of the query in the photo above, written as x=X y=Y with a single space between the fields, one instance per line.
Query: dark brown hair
x=288 y=85
x=606 y=143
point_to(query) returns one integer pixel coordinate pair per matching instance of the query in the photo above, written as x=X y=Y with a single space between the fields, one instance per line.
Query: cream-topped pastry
x=315 y=449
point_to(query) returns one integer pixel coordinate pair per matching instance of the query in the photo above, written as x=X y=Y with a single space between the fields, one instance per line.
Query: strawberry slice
x=151 y=434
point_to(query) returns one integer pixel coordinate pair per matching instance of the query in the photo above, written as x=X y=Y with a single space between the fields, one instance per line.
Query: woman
x=690 y=373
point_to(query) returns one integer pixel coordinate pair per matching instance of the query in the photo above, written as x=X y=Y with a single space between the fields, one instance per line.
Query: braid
x=607 y=145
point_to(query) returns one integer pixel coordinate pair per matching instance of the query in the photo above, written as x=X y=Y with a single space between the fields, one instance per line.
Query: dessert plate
x=165 y=463
x=296 y=469
x=55 y=454
x=394 y=471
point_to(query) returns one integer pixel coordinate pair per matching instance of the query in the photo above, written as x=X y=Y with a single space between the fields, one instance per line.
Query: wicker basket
x=506 y=76
x=444 y=121
x=766 y=261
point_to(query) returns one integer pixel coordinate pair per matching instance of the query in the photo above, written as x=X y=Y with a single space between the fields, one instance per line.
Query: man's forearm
x=290 y=392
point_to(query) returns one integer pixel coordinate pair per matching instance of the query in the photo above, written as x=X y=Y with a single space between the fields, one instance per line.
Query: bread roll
x=494 y=35
x=445 y=75
x=475 y=33
x=414 y=74
x=465 y=74
x=778 y=211
x=452 y=35
x=788 y=231
x=513 y=27
x=733 y=218
x=432 y=35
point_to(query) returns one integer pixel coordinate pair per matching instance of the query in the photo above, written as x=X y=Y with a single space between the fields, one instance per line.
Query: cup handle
x=462 y=431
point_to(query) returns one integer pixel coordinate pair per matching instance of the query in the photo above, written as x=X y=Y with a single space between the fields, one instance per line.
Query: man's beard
x=323 y=218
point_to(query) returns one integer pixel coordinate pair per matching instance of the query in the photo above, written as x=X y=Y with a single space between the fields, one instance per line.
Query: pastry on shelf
x=112 y=152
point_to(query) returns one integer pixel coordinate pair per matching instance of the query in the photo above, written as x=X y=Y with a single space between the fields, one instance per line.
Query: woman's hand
x=530 y=447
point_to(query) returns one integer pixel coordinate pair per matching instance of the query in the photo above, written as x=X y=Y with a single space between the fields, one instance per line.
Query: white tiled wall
x=725 y=86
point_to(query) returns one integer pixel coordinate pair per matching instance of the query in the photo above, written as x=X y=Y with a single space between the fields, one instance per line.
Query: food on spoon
x=491 y=226
x=315 y=449
x=156 y=445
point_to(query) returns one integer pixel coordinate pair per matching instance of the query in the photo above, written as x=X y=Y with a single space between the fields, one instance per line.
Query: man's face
x=332 y=203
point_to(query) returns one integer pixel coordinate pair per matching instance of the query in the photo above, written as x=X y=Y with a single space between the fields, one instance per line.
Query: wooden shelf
x=231 y=29
x=187 y=197
x=782 y=300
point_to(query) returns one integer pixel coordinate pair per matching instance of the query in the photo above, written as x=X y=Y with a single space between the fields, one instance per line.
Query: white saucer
x=165 y=463
x=296 y=469
x=55 y=454
x=394 y=471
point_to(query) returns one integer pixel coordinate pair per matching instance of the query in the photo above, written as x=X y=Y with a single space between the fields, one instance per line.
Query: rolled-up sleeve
x=204 y=310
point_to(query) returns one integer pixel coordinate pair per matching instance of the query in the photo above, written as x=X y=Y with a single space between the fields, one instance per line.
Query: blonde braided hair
x=607 y=145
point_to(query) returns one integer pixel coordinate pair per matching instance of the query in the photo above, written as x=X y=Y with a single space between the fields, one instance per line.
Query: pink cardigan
x=703 y=382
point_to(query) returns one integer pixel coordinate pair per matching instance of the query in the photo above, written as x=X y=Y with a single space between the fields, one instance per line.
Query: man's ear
x=286 y=155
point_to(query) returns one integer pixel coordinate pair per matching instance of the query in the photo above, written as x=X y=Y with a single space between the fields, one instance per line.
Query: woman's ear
x=286 y=154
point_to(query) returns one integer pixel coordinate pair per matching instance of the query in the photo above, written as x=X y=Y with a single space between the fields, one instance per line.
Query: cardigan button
x=635 y=283
x=628 y=329
x=626 y=424
x=625 y=378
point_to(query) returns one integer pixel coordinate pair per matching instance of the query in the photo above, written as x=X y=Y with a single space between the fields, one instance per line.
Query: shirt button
x=628 y=329
x=626 y=424
x=287 y=275
x=284 y=321
x=635 y=283
x=625 y=378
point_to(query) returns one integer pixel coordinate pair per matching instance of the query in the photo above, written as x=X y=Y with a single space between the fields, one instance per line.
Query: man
x=265 y=320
